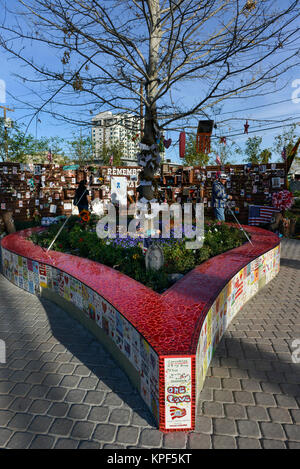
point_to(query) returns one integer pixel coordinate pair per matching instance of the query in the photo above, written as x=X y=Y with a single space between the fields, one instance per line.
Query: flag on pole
x=111 y=160
x=260 y=214
x=218 y=160
x=283 y=154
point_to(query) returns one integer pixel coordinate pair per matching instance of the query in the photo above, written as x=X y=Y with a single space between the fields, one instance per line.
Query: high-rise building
x=109 y=128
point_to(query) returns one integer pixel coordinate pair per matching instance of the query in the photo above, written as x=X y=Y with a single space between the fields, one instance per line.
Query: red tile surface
x=170 y=322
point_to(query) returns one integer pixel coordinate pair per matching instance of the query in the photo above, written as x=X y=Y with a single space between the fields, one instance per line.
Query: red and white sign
x=178 y=392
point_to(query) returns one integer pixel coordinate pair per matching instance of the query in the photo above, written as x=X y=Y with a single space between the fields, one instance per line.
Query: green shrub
x=129 y=259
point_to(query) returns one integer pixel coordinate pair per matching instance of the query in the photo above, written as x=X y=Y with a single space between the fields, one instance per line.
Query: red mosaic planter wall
x=169 y=338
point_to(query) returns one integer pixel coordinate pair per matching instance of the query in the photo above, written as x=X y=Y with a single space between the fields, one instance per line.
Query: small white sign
x=178 y=392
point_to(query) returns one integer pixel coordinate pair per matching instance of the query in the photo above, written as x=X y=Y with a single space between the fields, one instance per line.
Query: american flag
x=260 y=214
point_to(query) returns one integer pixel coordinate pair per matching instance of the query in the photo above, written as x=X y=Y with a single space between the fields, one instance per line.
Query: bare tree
x=115 y=54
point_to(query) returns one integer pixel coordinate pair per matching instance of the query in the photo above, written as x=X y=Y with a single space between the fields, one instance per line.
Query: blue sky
x=230 y=121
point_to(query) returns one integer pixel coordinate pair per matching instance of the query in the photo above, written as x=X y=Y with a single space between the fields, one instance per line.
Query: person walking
x=219 y=197
x=81 y=198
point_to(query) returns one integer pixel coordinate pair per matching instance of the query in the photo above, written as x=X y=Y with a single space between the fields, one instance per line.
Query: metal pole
x=56 y=236
x=241 y=228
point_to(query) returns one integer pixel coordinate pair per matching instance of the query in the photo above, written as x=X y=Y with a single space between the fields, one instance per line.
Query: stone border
x=143 y=330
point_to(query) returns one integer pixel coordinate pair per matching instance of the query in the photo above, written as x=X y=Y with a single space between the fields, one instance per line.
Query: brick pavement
x=61 y=389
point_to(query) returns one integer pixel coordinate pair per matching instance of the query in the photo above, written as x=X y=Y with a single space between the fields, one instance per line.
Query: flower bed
x=126 y=254
x=163 y=342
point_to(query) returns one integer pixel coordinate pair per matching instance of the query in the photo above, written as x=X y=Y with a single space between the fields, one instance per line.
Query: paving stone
x=293 y=445
x=5 y=417
x=143 y=419
x=203 y=424
x=248 y=443
x=5 y=435
x=273 y=444
x=272 y=431
x=52 y=379
x=264 y=399
x=258 y=413
x=280 y=415
x=235 y=411
x=206 y=394
x=20 y=421
x=151 y=438
x=250 y=385
x=82 y=371
x=115 y=446
x=57 y=394
x=5 y=401
x=295 y=413
x=42 y=442
x=288 y=402
x=223 y=396
x=248 y=429
x=39 y=406
x=6 y=386
x=112 y=399
x=83 y=430
x=66 y=368
x=221 y=372
x=88 y=383
x=105 y=432
x=231 y=383
x=199 y=441
x=120 y=416
x=243 y=397
x=271 y=388
x=75 y=395
x=70 y=381
x=66 y=443
x=40 y=424
x=20 y=440
x=78 y=411
x=38 y=391
x=95 y=397
x=61 y=426
x=223 y=442
x=20 y=404
x=19 y=376
x=213 y=382
x=292 y=432
x=127 y=435
x=213 y=409
x=290 y=389
x=58 y=409
x=89 y=445
x=99 y=414
x=224 y=426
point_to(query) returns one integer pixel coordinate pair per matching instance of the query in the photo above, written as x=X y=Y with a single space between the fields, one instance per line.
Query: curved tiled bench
x=164 y=342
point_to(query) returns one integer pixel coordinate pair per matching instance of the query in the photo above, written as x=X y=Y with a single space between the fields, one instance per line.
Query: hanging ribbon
x=182 y=144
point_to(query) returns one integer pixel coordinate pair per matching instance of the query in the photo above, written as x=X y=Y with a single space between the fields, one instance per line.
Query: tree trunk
x=149 y=157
